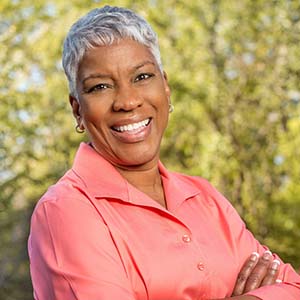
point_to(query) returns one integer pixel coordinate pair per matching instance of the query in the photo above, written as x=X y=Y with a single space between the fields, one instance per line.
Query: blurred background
x=234 y=69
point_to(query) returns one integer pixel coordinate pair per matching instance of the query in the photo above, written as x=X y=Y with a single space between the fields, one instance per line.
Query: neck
x=147 y=180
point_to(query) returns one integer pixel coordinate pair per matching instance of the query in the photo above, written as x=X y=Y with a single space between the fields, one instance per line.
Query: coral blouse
x=96 y=237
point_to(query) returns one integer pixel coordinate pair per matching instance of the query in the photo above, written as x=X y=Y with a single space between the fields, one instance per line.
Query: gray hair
x=104 y=26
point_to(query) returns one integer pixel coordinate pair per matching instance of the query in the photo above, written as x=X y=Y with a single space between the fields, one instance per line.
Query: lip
x=132 y=136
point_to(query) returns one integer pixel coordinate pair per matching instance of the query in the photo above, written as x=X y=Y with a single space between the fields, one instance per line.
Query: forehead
x=124 y=54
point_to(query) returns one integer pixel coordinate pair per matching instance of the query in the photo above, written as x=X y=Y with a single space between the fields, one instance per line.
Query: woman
x=119 y=225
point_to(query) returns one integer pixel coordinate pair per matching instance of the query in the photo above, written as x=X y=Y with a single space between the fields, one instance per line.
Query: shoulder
x=67 y=197
x=65 y=224
x=64 y=214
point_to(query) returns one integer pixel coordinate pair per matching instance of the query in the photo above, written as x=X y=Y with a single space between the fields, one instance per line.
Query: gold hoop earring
x=171 y=108
x=78 y=129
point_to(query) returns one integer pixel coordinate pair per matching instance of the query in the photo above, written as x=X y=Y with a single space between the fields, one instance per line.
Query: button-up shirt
x=94 y=236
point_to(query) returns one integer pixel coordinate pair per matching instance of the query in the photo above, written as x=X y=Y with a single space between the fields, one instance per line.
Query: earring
x=78 y=129
x=171 y=108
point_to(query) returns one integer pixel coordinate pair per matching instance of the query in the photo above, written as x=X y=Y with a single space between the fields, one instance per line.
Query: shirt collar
x=102 y=180
x=177 y=187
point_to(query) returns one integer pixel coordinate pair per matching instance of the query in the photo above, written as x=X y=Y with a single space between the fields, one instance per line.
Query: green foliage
x=234 y=71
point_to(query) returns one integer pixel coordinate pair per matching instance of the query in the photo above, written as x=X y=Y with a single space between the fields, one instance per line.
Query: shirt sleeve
x=72 y=254
x=245 y=243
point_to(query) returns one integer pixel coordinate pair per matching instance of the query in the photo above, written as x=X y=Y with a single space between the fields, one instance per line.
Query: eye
x=99 y=87
x=143 y=76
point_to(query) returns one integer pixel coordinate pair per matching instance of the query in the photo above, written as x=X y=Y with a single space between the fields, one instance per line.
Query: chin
x=138 y=161
x=132 y=156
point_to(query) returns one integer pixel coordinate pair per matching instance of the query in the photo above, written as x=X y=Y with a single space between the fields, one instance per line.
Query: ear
x=75 y=109
x=166 y=83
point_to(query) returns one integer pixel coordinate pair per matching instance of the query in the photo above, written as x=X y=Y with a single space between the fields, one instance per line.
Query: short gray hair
x=104 y=26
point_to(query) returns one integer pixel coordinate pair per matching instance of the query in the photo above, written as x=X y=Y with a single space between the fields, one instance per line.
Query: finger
x=259 y=272
x=244 y=274
x=272 y=273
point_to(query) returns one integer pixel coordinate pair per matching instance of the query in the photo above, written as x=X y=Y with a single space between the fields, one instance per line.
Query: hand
x=257 y=272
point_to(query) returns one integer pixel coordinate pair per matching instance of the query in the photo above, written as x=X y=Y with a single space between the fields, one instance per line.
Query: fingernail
x=254 y=256
x=275 y=264
x=278 y=281
x=267 y=255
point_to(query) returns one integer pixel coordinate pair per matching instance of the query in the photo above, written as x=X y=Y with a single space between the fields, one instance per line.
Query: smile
x=131 y=127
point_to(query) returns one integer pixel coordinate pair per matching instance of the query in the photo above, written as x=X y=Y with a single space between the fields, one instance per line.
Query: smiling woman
x=118 y=224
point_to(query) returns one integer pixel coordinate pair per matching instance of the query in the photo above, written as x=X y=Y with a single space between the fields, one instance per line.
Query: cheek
x=160 y=99
x=164 y=107
x=94 y=112
x=163 y=115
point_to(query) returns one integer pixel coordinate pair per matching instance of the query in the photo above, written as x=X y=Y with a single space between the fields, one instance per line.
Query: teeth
x=131 y=127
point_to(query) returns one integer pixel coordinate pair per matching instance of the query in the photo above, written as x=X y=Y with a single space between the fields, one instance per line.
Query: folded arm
x=244 y=242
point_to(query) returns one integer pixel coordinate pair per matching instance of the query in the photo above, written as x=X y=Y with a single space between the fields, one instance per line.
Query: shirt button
x=186 y=238
x=200 y=266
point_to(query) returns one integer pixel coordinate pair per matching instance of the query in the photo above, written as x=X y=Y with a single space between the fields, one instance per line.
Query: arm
x=243 y=244
x=72 y=254
x=256 y=272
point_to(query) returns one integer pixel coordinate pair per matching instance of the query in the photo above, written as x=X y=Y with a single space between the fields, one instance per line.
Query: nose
x=126 y=99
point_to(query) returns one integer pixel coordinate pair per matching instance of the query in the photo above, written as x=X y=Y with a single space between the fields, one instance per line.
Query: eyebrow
x=146 y=62
x=96 y=75
x=99 y=75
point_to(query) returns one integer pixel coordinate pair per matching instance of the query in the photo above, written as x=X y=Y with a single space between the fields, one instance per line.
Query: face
x=123 y=103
